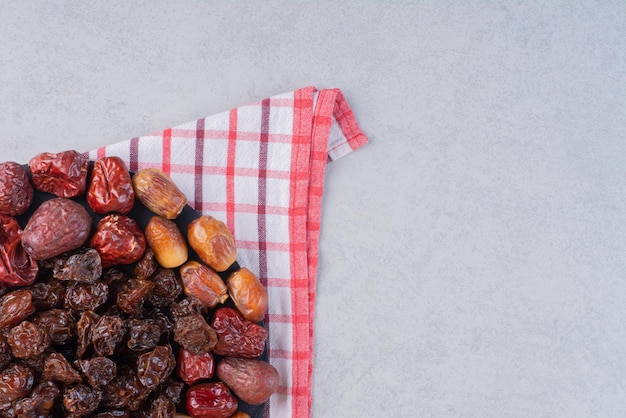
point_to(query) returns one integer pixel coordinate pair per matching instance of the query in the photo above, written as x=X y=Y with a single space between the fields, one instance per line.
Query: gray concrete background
x=472 y=255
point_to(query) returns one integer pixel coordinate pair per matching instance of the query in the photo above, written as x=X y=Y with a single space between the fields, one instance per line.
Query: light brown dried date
x=248 y=293
x=58 y=225
x=203 y=283
x=63 y=174
x=253 y=381
x=15 y=306
x=167 y=242
x=212 y=241
x=119 y=240
x=16 y=192
x=159 y=193
x=110 y=188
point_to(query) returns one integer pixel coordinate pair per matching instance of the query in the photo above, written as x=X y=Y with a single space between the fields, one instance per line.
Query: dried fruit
x=81 y=400
x=58 y=369
x=192 y=367
x=84 y=296
x=212 y=241
x=253 y=381
x=40 y=402
x=155 y=366
x=210 y=400
x=142 y=334
x=17 y=267
x=85 y=324
x=83 y=266
x=166 y=289
x=28 y=340
x=248 y=293
x=146 y=266
x=203 y=283
x=63 y=174
x=193 y=333
x=16 y=192
x=106 y=334
x=15 y=306
x=236 y=336
x=132 y=295
x=59 y=324
x=58 y=225
x=159 y=193
x=16 y=380
x=47 y=295
x=119 y=240
x=110 y=188
x=99 y=371
x=167 y=242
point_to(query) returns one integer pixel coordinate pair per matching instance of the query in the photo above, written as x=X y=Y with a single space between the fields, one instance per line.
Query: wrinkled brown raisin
x=16 y=380
x=167 y=288
x=40 y=403
x=99 y=371
x=188 y=306
x=83 y=266
x=193 y=333
x=155 y=366
x=58 y=369
x=132 y=295
x=47 y=295
x=146 y=266
x=81 y=400
x=28 y=340
x=59 y=324
x=15 y=306
x=86 y=322
x=106 y=334
x=142 y=334
x=86 y=296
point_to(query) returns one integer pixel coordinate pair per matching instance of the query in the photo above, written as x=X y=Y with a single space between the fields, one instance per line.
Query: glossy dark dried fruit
x=40 y=403
x=146 y=266
x=47 y=295
x=236 y=336
x=193 y=333
x=166 y=289
x=63 y=174
x=15 y=306
x=172 y=389
x=58 y=369
x=17 y=267
x=192 y=367
x=110 y=188
x=159 y=193
x=124 y=391
x=113 y=414
x=132 y=295
x=210 y=400
x=162 y=407
x=81 y=400
x=253 y=381
x=155 y=366
x=5 y=351
x=16 y=192
x=142 y=334
x=99 y=371
x=248 y=293
x=28 y=340
x=86 y=296
x=16 y=380
x=203 y=283
x=119 y=240
x=188 y=306
x=83 y=266
x=59 y=324
x=167 y=242
x=212 y=241
x=57 y=226
x=86 y=322
x=106 y=334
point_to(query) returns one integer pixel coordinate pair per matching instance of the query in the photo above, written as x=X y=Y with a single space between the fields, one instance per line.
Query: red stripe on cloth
x=262 y=192
x=230 y=171
x=133 y=154
x=270 y=246
x=347 y=122
x=198 y=184
x=241 y=208
x=167 y=151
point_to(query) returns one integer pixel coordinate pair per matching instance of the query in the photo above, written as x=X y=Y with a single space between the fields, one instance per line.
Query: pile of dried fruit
x=113 y=320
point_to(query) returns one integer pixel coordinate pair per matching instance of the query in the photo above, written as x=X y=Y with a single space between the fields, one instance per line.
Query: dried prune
x=57 y=226
x=81 y=400
x=167 y=242
x=146 y=266
x=106 y=334
x=193 y=333
x=99 y=371
x=132 y=295
x=166 y=289
x=210 y=400
x=248 y=293
x=155 y=366
x=203 y=283
x=212 y=241
x=16 y=380
x=253 y=381
x=86 y=322
x=86 y=296
x=84 y=266
x=63 y=174
x=58 y=369
x=47 y=295
x=159 y=193
x=16 y=192
x=110 y=188
x=142 y=334
x=59 y=324
x=192 y=367
x=236 y=336
x=15 y=306
x=119 y=240
x=40 y=402
x=17 y=267
x=28 y=340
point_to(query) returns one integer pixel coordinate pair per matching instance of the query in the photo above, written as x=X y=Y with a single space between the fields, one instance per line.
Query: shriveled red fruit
x=16 y=192
x=63 y=174
x=210 y=400
x=192 y=367
x=253 y=381
x=236 y=336
x=17 y=267
x=110 y=188
x=119 y=240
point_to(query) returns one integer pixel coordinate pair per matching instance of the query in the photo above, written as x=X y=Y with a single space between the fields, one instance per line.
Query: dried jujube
x=63 y=174
x=110 y=188
x=210 y=400
x=253 y=381
x=16 y=192
x=17 y=267
x=119 y=240
x=236 y=336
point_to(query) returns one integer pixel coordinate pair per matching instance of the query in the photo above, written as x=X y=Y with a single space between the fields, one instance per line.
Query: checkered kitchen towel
x=260 y=169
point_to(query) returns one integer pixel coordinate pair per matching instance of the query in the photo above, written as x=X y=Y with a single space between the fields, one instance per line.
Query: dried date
x=167 y=242
x=248 y=293
x=159 y=193
x=203 y=283
x=210 y=400
x=63 y=174
x=16 y=192
x=236 y=336
x=119 y=240
x=212 y=241
x=110 y=188
x=57 y=226
x=15 y=306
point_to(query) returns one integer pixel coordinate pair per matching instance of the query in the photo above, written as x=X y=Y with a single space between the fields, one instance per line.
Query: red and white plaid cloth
x=260 y=169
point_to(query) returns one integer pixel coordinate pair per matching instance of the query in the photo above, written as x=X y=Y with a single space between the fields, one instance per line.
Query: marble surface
x=472 y=257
